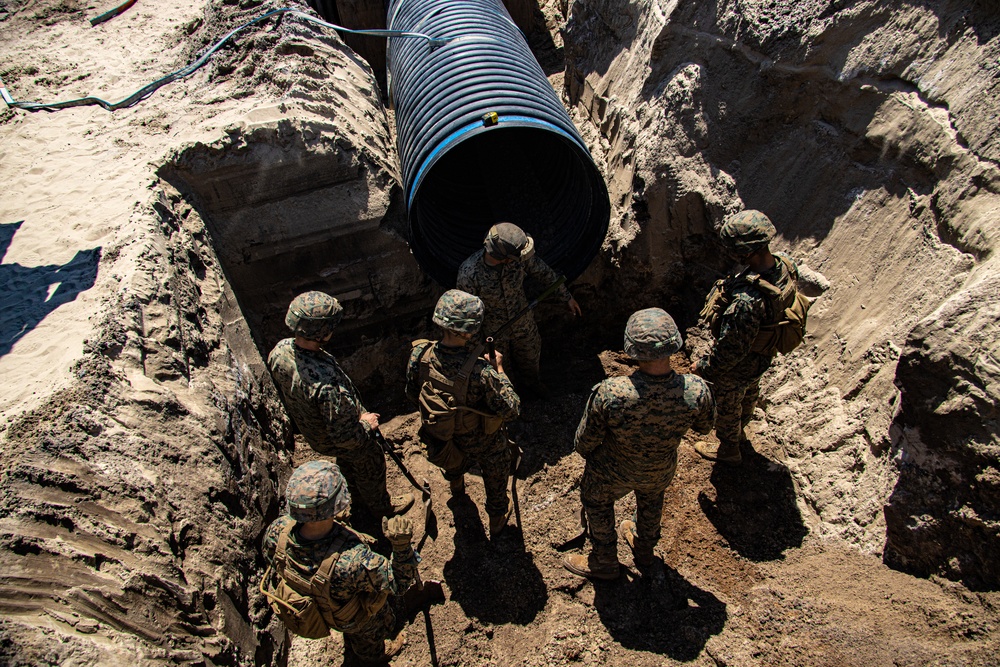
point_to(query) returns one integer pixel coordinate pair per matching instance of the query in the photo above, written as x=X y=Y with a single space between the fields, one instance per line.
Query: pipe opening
x=539 y=179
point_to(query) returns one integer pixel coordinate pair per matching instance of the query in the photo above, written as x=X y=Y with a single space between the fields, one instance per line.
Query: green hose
x=149 y=89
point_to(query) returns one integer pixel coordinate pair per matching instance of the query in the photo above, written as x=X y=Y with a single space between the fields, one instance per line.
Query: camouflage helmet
x=506 y=240
x=316 y=491
x=747 y=232
x=459 y=311
x=651 y=334
x=314 y=315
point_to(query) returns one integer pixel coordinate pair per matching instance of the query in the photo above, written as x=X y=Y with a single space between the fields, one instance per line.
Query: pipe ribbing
x=462 y=173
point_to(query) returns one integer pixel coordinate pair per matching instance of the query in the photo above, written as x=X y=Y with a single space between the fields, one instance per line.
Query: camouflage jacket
x=359 y=570
x=739 y=326
x=320 y=398
x=502 y=287
x=632 y=425
x=489 y=390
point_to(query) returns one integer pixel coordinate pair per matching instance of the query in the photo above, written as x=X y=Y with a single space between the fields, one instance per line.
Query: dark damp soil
x=737 y=579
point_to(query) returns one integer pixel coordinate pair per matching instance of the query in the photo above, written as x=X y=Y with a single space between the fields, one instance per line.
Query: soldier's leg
x=728 y=425
x=495 y=468
x=648 y=514
x=525 y=347
x=450 y=459
x=368 y=642
x=598 y=496
x=748 y=404
x=364 y=470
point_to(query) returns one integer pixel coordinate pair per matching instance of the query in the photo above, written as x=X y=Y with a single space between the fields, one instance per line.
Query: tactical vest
x=304 y=605
x=786 y=307
x=442 y=400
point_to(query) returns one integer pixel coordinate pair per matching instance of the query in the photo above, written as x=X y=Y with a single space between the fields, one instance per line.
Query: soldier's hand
x=574 y=307
x=497 y=361
x=370 y=418
x=698 y=366
x=398 y=530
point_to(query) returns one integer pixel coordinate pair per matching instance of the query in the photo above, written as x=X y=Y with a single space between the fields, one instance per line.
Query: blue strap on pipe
x=452 y=138
x=149 y=89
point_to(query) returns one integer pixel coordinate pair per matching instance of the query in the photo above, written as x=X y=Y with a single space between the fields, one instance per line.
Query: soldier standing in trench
x=629 y=435
x=495 y=273
x=733 y=366
x=478 y=434
x=326 y=406
x=364 y=588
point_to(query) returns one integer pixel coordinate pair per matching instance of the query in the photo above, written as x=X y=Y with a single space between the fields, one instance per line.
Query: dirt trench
x=134 y=500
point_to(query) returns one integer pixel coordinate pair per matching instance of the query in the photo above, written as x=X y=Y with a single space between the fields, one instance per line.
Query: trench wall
x=867 y=133
x=133 y=502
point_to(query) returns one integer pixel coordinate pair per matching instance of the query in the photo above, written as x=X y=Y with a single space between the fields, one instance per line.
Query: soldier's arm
x=740 y=326
x=544 y=275
x=592 y=427
x=466 y=280
x=373 y=573
x=342 y=413
x=499 y=393
x=273 y=533
x=705 y=420
x=413 y=373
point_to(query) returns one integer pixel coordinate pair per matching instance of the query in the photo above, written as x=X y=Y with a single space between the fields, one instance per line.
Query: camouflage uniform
x=326 y=407
x=629 y=435
x=732 y=368
x=488 y=391
x=501 y=288
x=359 y=570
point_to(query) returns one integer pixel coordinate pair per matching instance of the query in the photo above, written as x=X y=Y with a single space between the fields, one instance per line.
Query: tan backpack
x=788 y=308
x=304 y=605
x=443 y=412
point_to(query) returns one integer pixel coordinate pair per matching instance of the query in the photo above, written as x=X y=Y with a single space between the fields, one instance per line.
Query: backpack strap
x=458 y=386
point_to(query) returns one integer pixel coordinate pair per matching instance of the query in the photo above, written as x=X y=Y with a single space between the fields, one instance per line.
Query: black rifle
x=491 y=340
x=430 y=520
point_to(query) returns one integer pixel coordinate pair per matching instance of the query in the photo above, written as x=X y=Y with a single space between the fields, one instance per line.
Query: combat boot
x=401 y=504
x=723 y=452
x=393 y=647
x=499 y=522
x=641 y=557
x=591 y=567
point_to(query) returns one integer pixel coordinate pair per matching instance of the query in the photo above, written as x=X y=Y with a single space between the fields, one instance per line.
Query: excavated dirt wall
x=867 y=132
x=133 y=501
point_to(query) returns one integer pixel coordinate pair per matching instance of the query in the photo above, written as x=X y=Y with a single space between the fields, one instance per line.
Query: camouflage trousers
x=735 y=400
x=494 y=461
x=368 y=642
x=599 y=492
x=364 y=471
x=522 y=351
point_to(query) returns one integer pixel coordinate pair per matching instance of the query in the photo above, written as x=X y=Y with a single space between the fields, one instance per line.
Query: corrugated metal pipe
x=483 y=138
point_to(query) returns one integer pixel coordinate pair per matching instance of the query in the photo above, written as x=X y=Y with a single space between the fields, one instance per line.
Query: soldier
x=363 y=590
x=325 y=405
x=735 y=364
x=448 y=373
x=629 y=435
x=496 y=275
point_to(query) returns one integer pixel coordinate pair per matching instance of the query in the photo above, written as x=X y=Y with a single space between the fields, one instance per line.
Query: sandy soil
x=738 y=579
x=741 y=579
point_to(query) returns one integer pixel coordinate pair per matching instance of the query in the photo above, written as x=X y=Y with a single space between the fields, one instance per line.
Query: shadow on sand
x=659 y=611
x=755 y=507
x=30 y=293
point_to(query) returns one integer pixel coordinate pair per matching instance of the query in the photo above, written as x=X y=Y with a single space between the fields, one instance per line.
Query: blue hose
x=149 y=89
